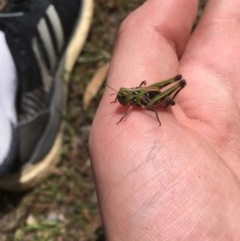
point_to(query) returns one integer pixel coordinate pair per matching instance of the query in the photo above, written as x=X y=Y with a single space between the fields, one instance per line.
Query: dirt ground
x=64 y=207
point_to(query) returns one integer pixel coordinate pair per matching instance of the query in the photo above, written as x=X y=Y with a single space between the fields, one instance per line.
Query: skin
x=179 y=181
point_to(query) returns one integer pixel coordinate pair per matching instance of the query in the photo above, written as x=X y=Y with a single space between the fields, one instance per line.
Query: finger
x=211 y=66
x=150 y=41
x=214 y=46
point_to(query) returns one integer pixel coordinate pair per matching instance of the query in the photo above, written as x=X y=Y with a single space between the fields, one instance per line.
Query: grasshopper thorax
x=124 y=96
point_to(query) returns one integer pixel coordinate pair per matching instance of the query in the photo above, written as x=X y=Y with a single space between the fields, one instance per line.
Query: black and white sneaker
x=45 y=38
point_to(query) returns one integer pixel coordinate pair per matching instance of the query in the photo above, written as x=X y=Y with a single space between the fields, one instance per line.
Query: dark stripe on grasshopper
x=168 y=95
x=165 y=83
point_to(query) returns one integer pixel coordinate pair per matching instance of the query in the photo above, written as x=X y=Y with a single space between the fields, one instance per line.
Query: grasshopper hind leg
x=182 y=84
x=170 y=100
x=156 y=113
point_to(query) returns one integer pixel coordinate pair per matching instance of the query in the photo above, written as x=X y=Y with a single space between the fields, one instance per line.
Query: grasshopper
x=150 y=97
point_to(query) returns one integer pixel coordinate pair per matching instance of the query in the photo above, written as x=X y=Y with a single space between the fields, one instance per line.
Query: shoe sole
x=34 y=173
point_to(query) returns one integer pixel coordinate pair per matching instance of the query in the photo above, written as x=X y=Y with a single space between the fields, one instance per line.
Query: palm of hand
x=182 y=179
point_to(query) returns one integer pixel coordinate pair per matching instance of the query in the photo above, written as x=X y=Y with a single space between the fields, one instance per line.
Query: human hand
x=179 y=181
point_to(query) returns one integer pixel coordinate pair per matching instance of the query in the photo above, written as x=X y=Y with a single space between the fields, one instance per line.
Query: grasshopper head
x=124 y=96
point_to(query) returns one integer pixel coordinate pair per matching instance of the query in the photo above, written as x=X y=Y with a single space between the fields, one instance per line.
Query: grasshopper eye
x=124 y=96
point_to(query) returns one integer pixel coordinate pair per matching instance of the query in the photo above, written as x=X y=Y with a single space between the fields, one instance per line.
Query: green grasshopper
x=150 y=97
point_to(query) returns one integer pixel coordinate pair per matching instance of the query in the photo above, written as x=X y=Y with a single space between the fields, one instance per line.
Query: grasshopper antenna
x=110 y=87
x=113 y=90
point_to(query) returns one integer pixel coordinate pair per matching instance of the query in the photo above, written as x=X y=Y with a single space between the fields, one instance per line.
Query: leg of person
x=44 y=38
